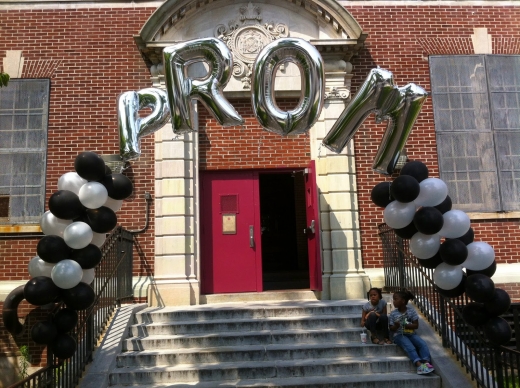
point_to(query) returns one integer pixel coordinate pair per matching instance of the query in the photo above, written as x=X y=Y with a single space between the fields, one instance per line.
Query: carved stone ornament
x=246 y=36
x=341 y=93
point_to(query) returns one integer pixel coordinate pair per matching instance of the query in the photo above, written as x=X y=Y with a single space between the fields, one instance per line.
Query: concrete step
x=241 y=325
x=233 y=311
x=262 y=370
x=253 y=353
x=265 y=337
x=386 y=380
x=263 y=297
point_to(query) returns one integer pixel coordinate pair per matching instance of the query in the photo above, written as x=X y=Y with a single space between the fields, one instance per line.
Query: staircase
x=269 y=344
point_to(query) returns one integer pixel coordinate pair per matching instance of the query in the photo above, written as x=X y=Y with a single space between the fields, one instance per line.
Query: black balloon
x=499 y=303
x=102 y=219
x=65 y=320
x=52 y=249
x=44 y=332
x=63 y=346
x=65 y=204
x=79 y=297
x=428 y=220
x=489 y=271
x=498 y=331
x=454 y=292
x=90 y=166
x=407 y=232
x=118 y=186
x=40 y=291
x=432 y=262
x=416 y=169
x=480 y=288
x=445 y=205
x=475 y=314
x=87 y=257
x=453 y=252
x=405 y=188
x=380 y=194
x=468 y=237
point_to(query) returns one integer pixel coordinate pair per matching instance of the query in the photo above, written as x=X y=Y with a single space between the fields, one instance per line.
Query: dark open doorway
x=285 y=260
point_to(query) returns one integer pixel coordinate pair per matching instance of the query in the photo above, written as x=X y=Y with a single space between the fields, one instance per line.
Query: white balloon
x=67 y=274
x=98 y=239
x=38 y=267
x=88 y=275
x=425 y=246
x=433 y=192
x=114 y=204
x=456 y=224
x=78 y=235
x=71 y=181
x=447 y=276
x=93 y=195
x=50 y=224
x=480 y=256
x=398 y=214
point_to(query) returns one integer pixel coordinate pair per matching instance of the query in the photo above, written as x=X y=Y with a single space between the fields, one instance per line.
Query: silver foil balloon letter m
x=182 y=89
x=378 y=94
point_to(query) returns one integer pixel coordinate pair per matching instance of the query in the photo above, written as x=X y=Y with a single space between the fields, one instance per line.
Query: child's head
x=402 y=297
x=374 y=295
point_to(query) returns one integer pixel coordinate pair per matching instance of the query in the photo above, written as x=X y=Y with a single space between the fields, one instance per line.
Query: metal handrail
x=487 y=364
x=112 y=285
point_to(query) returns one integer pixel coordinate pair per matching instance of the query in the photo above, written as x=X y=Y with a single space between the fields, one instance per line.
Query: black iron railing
x=487 y=364
x=112 y=285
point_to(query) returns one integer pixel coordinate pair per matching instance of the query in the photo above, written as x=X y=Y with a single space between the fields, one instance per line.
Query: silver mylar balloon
x=50 y=224
x=71 y=181
x=181 y=89
x=98 y=239
x=312 y=75
x=114 y=204
x=93 y=195
x=78 y=235
x=378 y=94
x=67 y=274
x=38 y=267
x=131 y=126
x=88 y=275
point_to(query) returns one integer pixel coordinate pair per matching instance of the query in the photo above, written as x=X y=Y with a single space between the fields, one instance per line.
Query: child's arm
x=395 y=326
x=383 y=310
x=363 y=318
x=412 y=326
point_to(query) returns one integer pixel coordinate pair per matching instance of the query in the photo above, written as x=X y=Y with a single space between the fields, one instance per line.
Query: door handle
x=251 y=236
x=310 y=228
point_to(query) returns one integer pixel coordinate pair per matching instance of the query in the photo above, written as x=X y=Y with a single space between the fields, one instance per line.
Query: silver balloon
x=312 y=75
x=93 y=195
x=88 y=275
x=50 y=224
x=447 y=276
x=114 y=204
x=181 y=89
x=67 y=274
x=78 y=235
x=98 y=239
x=131 y=126
x=71 y=181
x=378 y=94
x=38 y=267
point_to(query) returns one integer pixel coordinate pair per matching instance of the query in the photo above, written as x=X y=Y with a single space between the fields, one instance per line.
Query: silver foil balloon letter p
x=378 y=94
x=182 y=89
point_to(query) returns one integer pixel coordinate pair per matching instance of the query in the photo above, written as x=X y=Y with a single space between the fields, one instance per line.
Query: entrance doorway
x=259 y=231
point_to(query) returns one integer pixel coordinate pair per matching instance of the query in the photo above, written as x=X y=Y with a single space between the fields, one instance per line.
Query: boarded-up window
x=24 y=106
x=476 y=102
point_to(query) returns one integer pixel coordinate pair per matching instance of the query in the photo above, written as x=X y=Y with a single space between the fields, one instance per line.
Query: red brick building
x=79 y=57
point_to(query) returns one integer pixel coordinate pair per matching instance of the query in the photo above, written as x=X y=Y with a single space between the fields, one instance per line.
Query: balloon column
x=419 y=208
x=80 y=214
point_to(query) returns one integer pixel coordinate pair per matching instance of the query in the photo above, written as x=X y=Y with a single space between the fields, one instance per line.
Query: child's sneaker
x=430 y=366
x=424 y=370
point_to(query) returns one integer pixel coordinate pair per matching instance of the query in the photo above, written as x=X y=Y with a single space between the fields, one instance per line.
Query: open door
x=230 y=233
x=313 y=229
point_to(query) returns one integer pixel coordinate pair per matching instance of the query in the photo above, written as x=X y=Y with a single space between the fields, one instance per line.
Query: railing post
x=400 y=264
x=499 y=366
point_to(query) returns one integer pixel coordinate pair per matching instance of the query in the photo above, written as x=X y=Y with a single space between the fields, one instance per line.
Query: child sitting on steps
x=403 y=322
x=374 y=316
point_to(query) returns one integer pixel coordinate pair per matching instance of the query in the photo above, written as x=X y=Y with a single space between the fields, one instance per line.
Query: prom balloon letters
x=400 y=106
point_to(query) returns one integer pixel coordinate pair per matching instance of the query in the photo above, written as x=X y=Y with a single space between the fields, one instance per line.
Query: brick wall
x=400 y=39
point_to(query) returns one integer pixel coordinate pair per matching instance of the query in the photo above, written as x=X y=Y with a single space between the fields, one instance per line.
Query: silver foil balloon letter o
x=131 y=126
x=378 y=94
x=310 y=63
x=182 y=89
